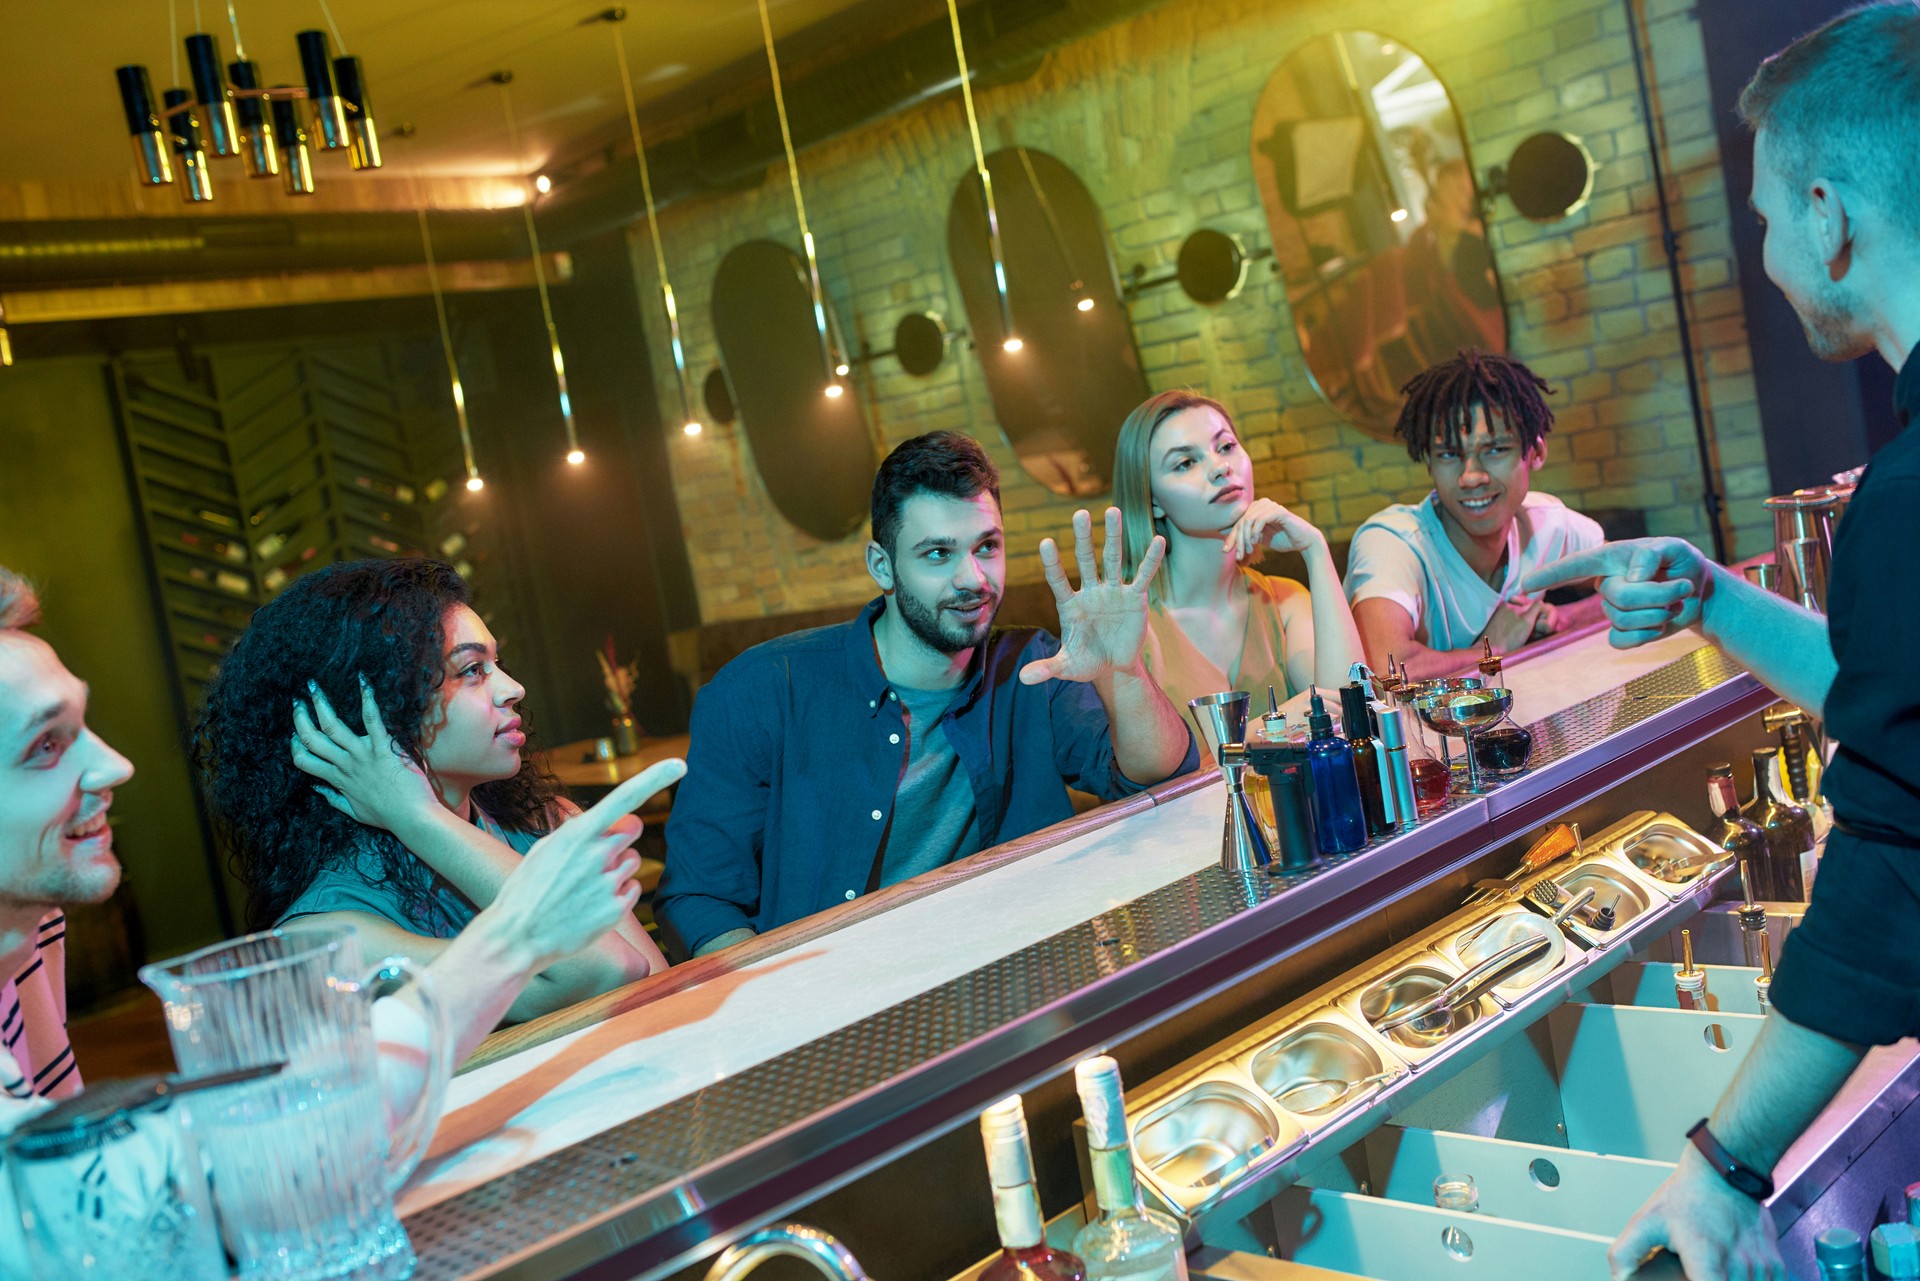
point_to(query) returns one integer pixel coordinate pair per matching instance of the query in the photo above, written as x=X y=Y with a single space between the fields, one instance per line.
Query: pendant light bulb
x=1011 y=346
x=693 y=427
x=576 y=456
x=842 y=369
x=835 y=391
x=475 y=484
x=543 y=184
x=1085 y=304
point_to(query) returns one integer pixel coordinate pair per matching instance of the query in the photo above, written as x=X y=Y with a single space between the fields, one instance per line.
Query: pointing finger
x=1596 y=562
x=634 y=793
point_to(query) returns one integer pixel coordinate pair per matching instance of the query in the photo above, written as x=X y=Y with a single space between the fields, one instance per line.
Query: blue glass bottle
x=1339 y=817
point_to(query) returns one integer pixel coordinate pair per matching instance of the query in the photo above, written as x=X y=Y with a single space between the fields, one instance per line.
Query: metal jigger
x=1243 y=846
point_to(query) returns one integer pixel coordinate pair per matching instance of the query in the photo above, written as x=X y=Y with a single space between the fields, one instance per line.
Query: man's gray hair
x=19 y=603
x=1844 y=100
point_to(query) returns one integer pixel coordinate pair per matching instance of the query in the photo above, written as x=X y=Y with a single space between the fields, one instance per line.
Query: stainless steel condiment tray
x=1469 y=944
x=1411 y=976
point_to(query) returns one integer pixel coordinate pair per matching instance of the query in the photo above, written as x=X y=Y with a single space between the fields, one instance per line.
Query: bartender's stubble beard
x=933 y=624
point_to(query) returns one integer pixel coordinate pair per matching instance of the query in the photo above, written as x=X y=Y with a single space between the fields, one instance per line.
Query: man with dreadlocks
x=1430 y=580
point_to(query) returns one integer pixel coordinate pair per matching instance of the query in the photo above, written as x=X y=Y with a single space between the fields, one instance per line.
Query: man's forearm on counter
x=1792 y=1073
x=1784 y=646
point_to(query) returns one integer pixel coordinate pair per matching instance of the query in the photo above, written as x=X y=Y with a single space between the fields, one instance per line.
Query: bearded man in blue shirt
x=833 y=762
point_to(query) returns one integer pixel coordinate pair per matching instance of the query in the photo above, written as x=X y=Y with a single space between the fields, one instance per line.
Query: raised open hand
x=364 y=776
x=1649 y=587
x=1103 y=625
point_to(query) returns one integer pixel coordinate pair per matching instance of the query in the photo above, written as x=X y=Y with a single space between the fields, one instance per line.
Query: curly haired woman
x=405 y=824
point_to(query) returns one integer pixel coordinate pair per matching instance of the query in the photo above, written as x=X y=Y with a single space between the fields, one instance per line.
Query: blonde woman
x=1213 y=622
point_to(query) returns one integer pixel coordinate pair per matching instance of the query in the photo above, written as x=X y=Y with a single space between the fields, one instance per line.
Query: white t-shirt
x=1403 y=555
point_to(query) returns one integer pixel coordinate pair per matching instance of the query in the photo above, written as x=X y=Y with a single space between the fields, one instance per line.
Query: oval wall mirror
x=1212 y=266
x=718 y=397
x=814 y=451
x=920 y=343
x=1369 y=192
x=1074 y=374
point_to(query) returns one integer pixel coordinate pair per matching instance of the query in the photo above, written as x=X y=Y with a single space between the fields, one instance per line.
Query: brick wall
x=1155 y=114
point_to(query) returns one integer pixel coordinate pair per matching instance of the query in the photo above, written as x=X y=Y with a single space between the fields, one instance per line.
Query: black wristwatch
x=1742 y=1178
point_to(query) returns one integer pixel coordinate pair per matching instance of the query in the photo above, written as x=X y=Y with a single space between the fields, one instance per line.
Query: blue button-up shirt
x=797 y=755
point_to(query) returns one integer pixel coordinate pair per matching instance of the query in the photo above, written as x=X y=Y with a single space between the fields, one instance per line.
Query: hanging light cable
x=574 y=453
x=689 y=424
x=1011 y=342
x=833 y=388
x=420 y=202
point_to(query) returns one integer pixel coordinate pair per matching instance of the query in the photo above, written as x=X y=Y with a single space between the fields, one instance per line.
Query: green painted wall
x=66 y=521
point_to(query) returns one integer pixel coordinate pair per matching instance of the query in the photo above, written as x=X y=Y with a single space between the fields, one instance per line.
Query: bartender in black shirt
x=1837 y=186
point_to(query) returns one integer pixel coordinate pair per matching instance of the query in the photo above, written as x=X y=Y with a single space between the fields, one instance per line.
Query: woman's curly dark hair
x=377 y=617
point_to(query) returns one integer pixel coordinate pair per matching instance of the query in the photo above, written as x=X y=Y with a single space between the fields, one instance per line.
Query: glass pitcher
x=304 y=1168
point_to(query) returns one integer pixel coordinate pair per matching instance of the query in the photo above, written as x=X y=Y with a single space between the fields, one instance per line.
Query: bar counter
x=638 y=1133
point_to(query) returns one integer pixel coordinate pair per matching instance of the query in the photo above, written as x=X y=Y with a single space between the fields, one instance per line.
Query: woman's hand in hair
x=1266 y=524
x=364 y=776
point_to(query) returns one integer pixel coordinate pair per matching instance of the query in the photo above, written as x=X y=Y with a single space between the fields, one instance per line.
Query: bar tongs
x=1435 y=1013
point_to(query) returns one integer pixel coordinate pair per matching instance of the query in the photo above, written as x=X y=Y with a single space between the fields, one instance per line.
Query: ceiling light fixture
x=613 y=17
x=504 y=79
x=543 y=184
x=474 y=483
x=230 y=113
x=1398 y=215
x=1085 y=304
x=827 y=358
x=1012 y=344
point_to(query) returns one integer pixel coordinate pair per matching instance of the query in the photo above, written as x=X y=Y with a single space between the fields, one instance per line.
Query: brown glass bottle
x=1746 y=841
x=1358 y=724
x=1789 y=834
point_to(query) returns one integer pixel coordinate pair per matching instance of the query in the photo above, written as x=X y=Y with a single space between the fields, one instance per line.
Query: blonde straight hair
x=1133 y=473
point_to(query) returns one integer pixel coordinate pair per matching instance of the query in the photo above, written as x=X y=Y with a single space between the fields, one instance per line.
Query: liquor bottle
x=1746 y=841
x=1339 y=819
x=1396 y=771
x=1127 y=1240
x=1375 y=800
x=1790 y=845
x=1024 y=1252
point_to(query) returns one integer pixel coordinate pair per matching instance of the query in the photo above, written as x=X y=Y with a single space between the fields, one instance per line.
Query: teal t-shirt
x=934 y=821
x=354 y=884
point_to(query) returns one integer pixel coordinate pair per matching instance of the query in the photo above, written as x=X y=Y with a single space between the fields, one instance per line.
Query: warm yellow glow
x=475 y=484
x=842 y=369
x=692 y=428
x=1011 y=345
x=543 y=184
x=835 y=391
x=1085 y=304
x=576 y=456
x=1398 y=215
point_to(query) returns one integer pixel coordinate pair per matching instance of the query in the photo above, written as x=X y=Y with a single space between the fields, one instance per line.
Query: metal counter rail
x=669 y=1187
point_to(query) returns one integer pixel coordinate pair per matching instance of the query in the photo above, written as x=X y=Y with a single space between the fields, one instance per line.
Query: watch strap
x=1740 y=1177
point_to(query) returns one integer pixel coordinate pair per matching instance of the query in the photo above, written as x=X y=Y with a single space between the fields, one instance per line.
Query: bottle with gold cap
x=1024 y=1252
x=1127 y=1240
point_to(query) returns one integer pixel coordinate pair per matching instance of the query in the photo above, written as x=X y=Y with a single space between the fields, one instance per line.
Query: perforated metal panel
x=642 y=1167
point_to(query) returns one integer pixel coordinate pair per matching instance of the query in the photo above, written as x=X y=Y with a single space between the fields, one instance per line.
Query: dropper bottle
x=1339 y=817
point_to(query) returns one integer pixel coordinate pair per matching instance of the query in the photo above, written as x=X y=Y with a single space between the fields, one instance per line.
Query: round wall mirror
x=1212 y=266
x=1369 y=191
x=920 y=343
x=1550 y=176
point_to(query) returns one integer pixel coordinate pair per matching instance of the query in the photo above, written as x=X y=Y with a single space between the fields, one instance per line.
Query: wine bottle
x=1375 y=800
x=1127 y=1240
x=1024 y=1252
x=1746 y=841
x=1790 y=844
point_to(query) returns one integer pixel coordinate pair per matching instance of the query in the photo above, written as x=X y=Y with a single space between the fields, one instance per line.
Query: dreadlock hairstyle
x=1441 y=400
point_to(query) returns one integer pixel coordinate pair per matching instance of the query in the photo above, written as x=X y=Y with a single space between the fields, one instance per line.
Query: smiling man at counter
x=1429 y=580
x=834 y=762
x=1834 y=117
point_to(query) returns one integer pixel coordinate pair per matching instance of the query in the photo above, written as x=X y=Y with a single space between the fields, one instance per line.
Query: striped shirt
x=35 y=1059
